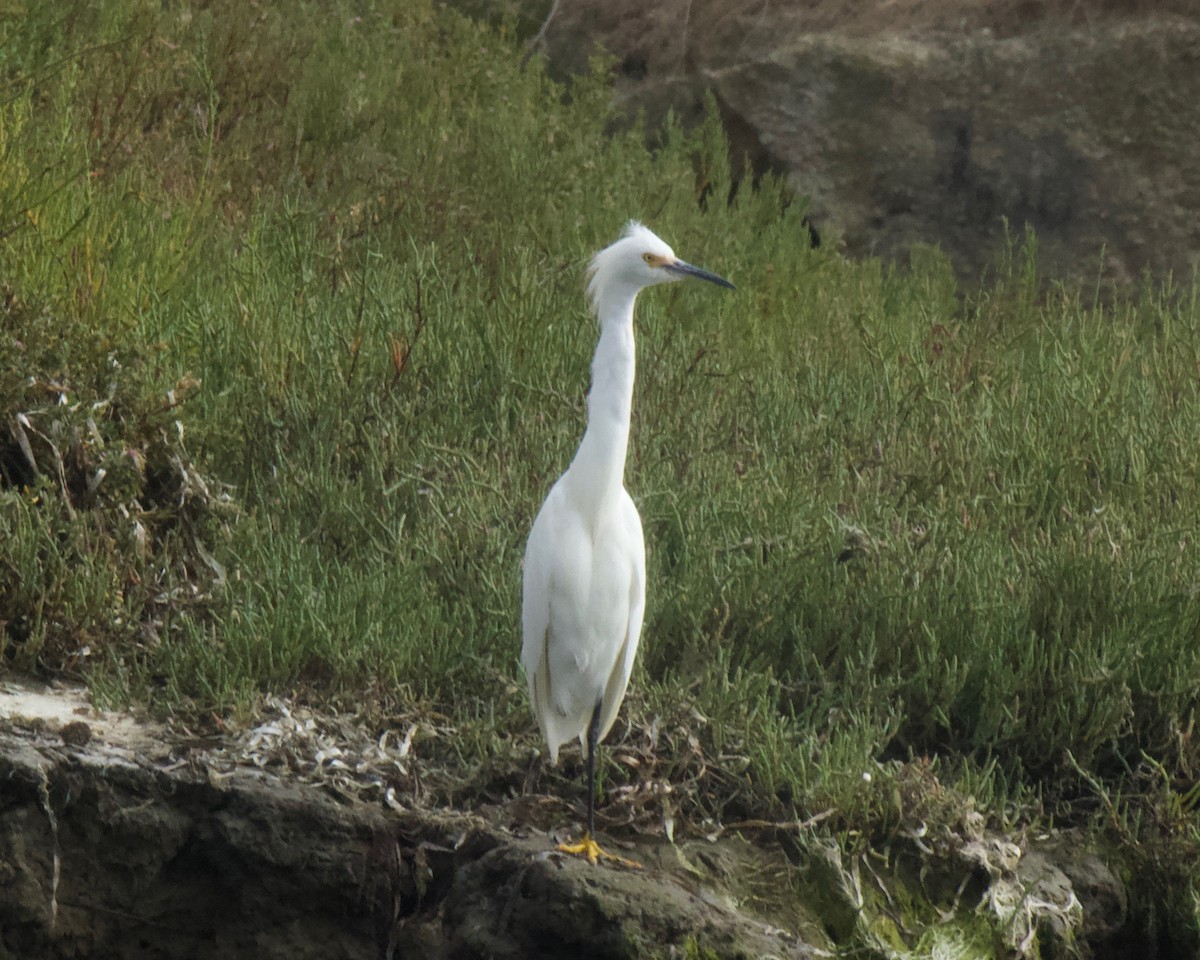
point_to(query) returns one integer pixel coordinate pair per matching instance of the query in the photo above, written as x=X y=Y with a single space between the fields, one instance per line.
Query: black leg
x=593 y=734
x=587 y=847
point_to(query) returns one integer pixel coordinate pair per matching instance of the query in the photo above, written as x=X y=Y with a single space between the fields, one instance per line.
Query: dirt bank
x=123 y=839
x=118 y=841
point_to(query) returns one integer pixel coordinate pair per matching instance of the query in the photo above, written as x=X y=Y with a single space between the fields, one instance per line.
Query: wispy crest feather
x=633 y=228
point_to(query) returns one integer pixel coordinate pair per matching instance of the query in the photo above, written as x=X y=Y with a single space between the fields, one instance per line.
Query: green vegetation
x=293 y=342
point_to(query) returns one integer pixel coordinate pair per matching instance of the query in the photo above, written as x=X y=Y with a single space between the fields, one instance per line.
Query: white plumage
x=584 y=592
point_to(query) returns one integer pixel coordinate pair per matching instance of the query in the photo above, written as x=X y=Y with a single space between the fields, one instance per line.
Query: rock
x=1101 y=894
x=105 y=857
x=933 y=123
x=172 y=850
x=139 y=843
x=1048 y=904
x=76 y=733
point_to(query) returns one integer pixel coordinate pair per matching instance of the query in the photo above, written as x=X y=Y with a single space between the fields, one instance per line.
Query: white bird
x=585 y=564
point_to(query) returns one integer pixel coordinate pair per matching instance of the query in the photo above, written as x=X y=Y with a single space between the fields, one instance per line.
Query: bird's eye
x=649 y=258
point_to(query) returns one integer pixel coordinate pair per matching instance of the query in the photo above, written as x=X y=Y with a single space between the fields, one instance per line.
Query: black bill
x=687 y=270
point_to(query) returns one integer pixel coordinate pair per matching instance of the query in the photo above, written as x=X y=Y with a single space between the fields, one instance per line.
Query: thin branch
x=540 y=35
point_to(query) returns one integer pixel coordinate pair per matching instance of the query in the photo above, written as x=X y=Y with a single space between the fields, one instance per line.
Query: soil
x=121 y=838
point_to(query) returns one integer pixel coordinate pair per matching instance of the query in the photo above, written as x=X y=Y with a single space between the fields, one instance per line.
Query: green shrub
x=885 y=518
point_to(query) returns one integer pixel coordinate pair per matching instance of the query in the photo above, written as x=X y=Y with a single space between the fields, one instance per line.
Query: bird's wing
x=535 y=616
x=554 y=601
x=535 y=599
x=582 y=607
x=618 y=680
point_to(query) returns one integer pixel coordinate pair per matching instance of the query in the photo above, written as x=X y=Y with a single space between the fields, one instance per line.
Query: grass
x=305 y=283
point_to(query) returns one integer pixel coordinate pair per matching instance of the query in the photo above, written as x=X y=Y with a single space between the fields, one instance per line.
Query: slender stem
x=540 y=35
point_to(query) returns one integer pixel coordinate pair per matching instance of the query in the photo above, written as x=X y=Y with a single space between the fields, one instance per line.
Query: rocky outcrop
x=919 y=122
x=122 y=839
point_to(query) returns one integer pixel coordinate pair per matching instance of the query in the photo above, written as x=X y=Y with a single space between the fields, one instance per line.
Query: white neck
x=598 y=470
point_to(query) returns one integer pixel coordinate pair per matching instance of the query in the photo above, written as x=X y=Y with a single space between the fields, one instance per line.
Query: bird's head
x=640 y=259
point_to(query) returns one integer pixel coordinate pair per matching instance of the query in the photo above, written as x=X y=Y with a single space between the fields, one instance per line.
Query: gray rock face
x=133 y=845
x=139 y=842
x=923 y=123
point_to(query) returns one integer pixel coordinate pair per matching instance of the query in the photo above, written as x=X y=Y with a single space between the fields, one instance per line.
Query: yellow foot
x=590 y=849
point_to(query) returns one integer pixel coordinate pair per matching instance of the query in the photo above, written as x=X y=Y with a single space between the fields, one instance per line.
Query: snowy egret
x=585 y=564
